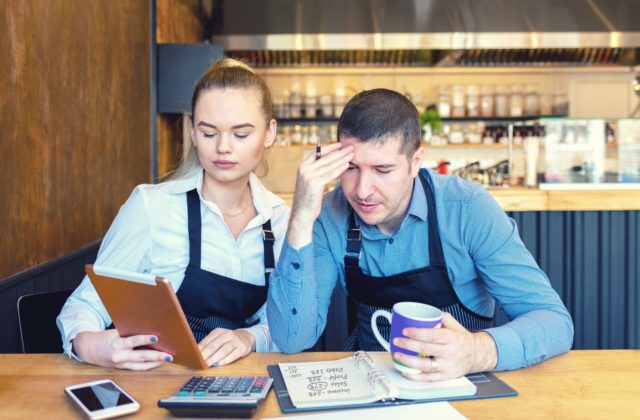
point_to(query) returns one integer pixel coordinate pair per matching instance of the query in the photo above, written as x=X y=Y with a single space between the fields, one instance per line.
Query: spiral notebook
x=368 y=380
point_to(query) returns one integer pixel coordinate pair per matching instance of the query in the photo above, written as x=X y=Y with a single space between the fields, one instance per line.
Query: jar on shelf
x=310 y=99
x=295 y=100
x=515 y=101
x=501 y=101
x=444 y=101
x=546 y=104
x=487 y=101
x=296 y=135
x=560 y=103
x=326 y=106
x=457 y=101
x=473 y=101
x=531 y=102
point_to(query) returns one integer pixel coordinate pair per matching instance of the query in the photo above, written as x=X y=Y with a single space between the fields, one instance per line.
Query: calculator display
x=101 y=396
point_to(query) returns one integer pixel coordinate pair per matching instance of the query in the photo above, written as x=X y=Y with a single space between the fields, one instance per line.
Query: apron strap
x=354 y=244
x=436 y=255
x=268 y=239
x=195 y=227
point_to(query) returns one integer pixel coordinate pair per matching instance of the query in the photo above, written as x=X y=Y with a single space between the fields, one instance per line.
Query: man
x=392 y=232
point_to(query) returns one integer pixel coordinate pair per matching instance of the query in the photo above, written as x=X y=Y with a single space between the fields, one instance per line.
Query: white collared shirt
x=150 y=235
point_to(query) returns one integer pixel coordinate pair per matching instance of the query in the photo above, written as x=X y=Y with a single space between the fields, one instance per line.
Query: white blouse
x=150 y=235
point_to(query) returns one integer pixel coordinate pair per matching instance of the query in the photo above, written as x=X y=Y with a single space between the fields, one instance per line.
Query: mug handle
x=374 y=326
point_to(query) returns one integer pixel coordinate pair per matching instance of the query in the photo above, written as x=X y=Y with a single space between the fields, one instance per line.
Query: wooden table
x=580 y=384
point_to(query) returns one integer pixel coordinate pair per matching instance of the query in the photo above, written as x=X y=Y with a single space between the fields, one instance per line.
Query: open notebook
x=360 y=379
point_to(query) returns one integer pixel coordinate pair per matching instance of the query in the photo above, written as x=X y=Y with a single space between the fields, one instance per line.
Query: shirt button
x=295 y=266
x=390 y=240
x=294 y=311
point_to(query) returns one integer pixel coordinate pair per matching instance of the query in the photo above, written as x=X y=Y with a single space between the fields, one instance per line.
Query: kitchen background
x=90 y=109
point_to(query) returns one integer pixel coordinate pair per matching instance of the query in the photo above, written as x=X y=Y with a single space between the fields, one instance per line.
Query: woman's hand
x=223 y=346
x=108 y=349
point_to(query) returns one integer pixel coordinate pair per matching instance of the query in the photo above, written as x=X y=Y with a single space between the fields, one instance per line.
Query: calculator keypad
x=223 y=386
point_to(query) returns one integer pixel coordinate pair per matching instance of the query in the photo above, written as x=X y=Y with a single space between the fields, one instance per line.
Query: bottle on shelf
x=444 y=101
x=531 y=102
x=487 y=105
x=457 y=101
x=295 y=100
x=473 y=101
x=515 y=101
x=310 y=99
x=501 y=101
x=560 y=103
x=546 y=104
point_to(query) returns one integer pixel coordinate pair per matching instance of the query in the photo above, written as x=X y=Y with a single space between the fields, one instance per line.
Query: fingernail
x=216 y=364
x=154 y=339
x=168 y=359
x=395 y=341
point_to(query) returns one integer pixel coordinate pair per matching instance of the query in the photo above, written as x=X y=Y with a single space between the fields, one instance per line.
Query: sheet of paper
x=436 y=410
x=326 y=383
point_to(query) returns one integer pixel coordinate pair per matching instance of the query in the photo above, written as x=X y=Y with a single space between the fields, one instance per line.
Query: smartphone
x=102 y=399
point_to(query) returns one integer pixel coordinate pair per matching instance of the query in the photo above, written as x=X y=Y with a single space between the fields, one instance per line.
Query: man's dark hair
x=373 y=115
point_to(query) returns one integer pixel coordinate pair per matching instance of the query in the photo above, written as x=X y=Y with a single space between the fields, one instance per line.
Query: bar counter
x=518 y=199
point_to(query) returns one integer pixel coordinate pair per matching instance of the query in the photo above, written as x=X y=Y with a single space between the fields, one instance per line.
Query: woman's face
x=230 y=132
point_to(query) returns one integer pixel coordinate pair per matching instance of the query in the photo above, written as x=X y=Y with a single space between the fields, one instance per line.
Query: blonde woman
x=212 y=229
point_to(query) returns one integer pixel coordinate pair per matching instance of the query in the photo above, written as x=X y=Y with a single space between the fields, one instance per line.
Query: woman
x=207 y=230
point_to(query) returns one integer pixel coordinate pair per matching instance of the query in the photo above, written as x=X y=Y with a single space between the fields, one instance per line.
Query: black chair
x=37 y=321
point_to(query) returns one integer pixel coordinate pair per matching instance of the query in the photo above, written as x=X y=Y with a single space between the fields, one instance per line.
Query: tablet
x=144 y=304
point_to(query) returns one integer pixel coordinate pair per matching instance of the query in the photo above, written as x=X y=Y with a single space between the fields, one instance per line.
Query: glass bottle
x=487 y=101
x=457 y=101
x=531 y=103
x=502 y=101
x=444 y=101
x=515 y=102
x=473 y=101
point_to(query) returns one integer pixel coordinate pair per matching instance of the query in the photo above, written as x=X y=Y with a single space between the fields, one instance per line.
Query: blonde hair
x=224 y=74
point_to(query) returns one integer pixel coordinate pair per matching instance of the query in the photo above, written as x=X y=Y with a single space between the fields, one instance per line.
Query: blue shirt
x=486 y=259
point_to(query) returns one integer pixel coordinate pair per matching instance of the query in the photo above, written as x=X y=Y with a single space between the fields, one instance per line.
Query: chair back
x=37 y=315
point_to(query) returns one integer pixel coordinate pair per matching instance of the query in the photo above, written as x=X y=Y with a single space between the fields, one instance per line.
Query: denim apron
x=430 y=285
x=211 y=300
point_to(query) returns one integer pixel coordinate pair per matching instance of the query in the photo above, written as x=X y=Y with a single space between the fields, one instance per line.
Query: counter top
x=557 y=199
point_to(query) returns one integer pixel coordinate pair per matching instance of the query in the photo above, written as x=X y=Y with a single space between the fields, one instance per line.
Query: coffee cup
x=405 y=315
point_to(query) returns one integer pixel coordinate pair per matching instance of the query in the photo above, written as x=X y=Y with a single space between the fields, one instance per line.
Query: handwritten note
x=327 y=383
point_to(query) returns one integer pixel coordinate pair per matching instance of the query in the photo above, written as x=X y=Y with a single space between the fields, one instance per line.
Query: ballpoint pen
x=318 y=149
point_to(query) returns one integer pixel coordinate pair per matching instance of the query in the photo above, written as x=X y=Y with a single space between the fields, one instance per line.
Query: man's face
x=379 y=181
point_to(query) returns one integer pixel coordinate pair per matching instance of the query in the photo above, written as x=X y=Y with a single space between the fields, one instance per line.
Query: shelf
x=290 y=121
x=323 y=120
x=391 y=70
x=500 y=119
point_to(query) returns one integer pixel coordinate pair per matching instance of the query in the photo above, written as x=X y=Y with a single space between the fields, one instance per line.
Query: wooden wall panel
x=177 y=22
x=75 y=122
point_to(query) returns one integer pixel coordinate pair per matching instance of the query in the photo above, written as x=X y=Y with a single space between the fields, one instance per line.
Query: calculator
x=218 y=396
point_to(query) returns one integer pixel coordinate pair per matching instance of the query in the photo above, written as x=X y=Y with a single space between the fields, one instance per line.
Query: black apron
x=211 y=300
x=430 y=285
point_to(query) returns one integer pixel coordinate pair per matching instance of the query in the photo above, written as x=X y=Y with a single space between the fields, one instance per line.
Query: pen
x=318 y=149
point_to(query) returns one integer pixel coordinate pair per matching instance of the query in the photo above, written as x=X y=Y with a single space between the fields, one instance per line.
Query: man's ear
x=416 y=161
x=272 y=130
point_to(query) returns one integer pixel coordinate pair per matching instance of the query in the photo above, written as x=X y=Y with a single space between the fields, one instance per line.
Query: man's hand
x=108 y=349
x=223 y=346
x=457 y=351
x=312 y=178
